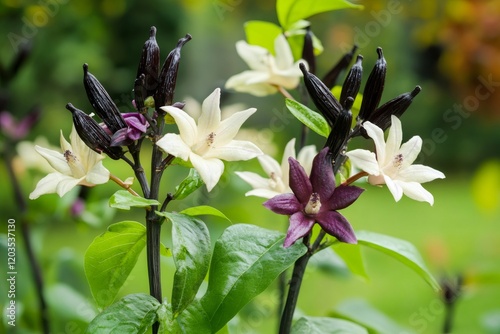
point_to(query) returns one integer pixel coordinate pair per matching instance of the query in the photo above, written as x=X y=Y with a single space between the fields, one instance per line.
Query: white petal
x=364 y=160
x=415 y=191
x=64 y=143
x=235 y=150
x=254 y=180
x=410 y=150
x=376 y=133
x=55 y=159
x=66 y=183
x=173 y=144
x=394 y=138
x=210 y=114
x=264 y=193
x=255 y=56
x=270 y=166
x=192 y=107
x=285 y=166
x=210 y=170
x=283 y=52
x=186 y=124
x=306 y=157
x=229 y=127
x=98 y=174
x=420 y=174
x=47 y=185
x=394 y=188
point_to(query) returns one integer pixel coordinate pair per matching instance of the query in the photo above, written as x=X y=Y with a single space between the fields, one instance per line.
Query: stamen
x=398 y=160
x=211 y=138
x=314 y=204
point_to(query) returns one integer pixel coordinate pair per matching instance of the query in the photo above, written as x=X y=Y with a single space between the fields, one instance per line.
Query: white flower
x=76 y=164
x=277 y=181
x=211 y=140
x=266 y=71
x=393 y=163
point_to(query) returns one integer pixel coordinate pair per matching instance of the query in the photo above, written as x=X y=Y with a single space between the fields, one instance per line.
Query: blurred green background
x=450 y=48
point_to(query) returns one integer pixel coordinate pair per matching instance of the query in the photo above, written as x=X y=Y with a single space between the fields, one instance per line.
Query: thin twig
x=354 y=178
x=122 y=184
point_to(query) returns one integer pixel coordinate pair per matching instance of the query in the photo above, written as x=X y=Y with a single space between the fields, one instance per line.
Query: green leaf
x=111 y=257
x=329 y=262
x=486 y=186
x=124 y=200
x=246 y=260
x=262 y=33
x=309 y=118
x=194 y=319
x=324 y=325
x=291 y=11
x=204 y=210
x=351 y=254
x=401 y=250
x=191 y=252
x=62 y=299
x=132 y=314
x=191 y=183
x=359 y=311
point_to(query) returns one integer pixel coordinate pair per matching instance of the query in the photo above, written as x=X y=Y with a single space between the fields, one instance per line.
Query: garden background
x=450 y=48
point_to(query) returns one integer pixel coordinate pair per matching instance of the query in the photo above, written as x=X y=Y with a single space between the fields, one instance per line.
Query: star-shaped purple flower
x=137 y=125
x=315 y=199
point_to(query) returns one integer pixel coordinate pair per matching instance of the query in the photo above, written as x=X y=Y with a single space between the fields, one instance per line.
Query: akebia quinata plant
x=311 y=185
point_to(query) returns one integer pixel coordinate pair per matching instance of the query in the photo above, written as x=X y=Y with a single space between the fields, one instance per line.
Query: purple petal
x=120 y=138
x=300 y=225
x=283 y=204
x=299 y=181
x=133 y=134
x=322 y=178
x=136 y=121
x=336 y=225
x=343 y=196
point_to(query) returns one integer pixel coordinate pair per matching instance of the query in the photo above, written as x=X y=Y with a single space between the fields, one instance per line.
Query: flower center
x=202 y=147
x=74 y=164
x=397 y=161
x=314 y=204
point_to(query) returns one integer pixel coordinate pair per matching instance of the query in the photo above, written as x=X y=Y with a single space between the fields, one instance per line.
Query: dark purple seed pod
x=149 y=65
x=352 y=82
x=321 y=95
x=164 y=95
x=102 y=103
x=308 y=51
x=92 y=134
x=373 y=88
x=340 y=132
x=332 y=76
x=140 y=93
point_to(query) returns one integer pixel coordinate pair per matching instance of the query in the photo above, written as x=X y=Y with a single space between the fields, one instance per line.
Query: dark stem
x=135 y=151
x=448 y=320
x=25 y=232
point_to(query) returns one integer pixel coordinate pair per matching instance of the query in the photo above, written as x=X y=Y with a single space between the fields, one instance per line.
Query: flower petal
x=66 y=183
x=288 y=152
x=229 y=127
x=300 y=225
x=235 y=150
x=210 y=170
x=364 y=160
x=284 y=204
x=284 y=56
x=55 y=159
x=210 y=114
x=322 y=178
x=98 y=174
x=394 y=138
x=46 y=185
x=264 y=193
x=420 y=174
x=410 y=151
x=343 y=196
x=336 y=225
x=251 y=82
x=415 y=191
x=376 y=133
x=394 y=188
x=270 y=166
x=173 y=144
x=254 y=180
x=186 y=124
x=255 y=56
x=306 y=156
x=299 y=181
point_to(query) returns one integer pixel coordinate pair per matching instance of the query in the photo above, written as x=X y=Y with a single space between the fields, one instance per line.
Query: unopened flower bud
x=352 y=82
x=321 y=95
x=164 y=95
x=308 y=51
x=102 y=103
x=331 y=77
x=92 y=134
x=149 y=64
x=340 y=132
x=397 y=106
x=373 y=88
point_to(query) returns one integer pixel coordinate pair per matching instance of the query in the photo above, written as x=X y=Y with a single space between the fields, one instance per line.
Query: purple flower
x=315 y=199
x=17 y=130
x=136 y=126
